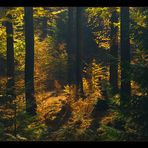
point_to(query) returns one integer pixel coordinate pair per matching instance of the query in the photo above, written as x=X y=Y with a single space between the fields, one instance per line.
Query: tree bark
x=29 y=61
x=114 y=51
x=125 y=56
x=71 y=45
x=10 y=57
x=79 y=50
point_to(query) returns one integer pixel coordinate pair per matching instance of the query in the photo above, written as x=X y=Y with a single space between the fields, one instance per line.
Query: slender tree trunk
x=71 y=46
x=29 y=62
x=114 y=52
x=125 y=56
x=10 y=91
x=79 y=50
x=10 y=57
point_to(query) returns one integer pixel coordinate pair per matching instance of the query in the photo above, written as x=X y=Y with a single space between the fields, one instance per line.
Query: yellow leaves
x=58 y=12
x=102 y=39
x=109 y=118
x=47 y=12
x=39 y=12
x=94 y=73
x=67 y=90
x=138 y=17
x=82 y=109
x=70 y=91
x=48 y=105
x=86 y=86
x=62 y=46
x=136 y=88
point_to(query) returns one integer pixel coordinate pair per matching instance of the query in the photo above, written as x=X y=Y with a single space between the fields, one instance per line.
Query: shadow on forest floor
x=61 y=118
x=54 y=110
x=100 y=111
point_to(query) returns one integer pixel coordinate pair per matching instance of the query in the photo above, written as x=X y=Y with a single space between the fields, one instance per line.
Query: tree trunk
x=125 y=56
x=79 y=50
x=71 y=46
x=29 y=62
x=114 y=52
x=10 y=57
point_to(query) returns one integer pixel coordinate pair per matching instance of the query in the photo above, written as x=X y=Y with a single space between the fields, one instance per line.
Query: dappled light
x=73 y=73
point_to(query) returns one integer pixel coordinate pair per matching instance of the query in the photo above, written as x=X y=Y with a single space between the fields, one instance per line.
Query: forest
x=73 y=73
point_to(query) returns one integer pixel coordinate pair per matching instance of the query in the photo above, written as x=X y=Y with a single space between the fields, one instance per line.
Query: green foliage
x=73 y=134
x=139 y=32
x=114 y=101
x=110 y=134
x=138 y=117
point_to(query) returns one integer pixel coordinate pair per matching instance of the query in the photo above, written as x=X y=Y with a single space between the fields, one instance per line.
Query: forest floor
x=62 y=118
x=70 y=120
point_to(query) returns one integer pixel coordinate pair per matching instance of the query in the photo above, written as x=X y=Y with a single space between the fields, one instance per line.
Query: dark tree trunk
x=71 y=45
x=29 y=62
x=114 y=52
x=79 y=50
x=10 y=57
x=125 y=56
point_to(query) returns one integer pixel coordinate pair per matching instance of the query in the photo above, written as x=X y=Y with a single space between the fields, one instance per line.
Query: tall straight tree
x=10 y=56
x=125 y=56
x=29 y=61
x=79 y=50
x=114 y=51
x=71 y=45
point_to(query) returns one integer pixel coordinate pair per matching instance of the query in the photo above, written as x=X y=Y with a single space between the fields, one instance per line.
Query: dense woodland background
x=73 y=73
